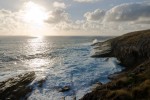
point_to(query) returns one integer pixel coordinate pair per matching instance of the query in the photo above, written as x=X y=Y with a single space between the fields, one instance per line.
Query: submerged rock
x=64 y=89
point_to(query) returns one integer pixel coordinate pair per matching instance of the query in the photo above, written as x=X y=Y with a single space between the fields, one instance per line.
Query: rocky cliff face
x=133 y=50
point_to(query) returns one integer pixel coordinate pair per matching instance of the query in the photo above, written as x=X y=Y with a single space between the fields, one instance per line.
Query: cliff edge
x=133 y=50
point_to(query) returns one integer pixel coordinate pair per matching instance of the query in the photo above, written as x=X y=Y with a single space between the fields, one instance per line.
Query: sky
x=73 y=17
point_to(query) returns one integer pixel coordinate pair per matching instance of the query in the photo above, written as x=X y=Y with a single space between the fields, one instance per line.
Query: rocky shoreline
x=132 y=49
x=19 y=87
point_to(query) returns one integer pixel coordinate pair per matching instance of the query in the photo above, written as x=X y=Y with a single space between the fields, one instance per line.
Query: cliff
x=133 y=50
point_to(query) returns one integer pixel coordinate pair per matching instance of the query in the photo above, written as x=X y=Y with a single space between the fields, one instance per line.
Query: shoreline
x=132 y=50
x=19 y=87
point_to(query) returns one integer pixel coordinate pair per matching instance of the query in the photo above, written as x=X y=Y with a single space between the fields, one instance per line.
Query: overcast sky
x=73 y=17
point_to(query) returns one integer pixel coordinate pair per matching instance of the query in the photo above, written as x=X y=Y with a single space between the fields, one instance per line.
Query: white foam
x=78 y=70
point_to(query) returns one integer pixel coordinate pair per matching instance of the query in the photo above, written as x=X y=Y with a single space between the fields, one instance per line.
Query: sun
x=34 y=13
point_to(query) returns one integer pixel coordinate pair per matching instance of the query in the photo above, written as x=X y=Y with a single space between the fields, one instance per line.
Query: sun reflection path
x=37 y=45
x=39 y=60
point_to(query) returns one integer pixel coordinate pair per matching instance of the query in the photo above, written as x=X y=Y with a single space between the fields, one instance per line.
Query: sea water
x=64 y=61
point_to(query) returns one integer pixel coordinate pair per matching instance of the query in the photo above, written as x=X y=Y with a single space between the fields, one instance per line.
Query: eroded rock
x=17 y=87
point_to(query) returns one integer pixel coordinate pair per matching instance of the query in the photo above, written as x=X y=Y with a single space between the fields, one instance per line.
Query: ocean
x=64 y=61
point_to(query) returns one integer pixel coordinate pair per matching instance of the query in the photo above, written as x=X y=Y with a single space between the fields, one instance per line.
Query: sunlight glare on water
x=39 y=61
x=36 y=45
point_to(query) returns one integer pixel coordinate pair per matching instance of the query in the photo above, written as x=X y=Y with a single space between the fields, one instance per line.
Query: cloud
x=12 y=23
x=86 y=1
x=8 y=20
x=57 y=16
x=105 y=22
x=129 y=12
x=97 y=15
x=142 y=21
x=132 y=16
x=59 y=5
x=127 y=17
x=120 y=19
x=4 y=12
